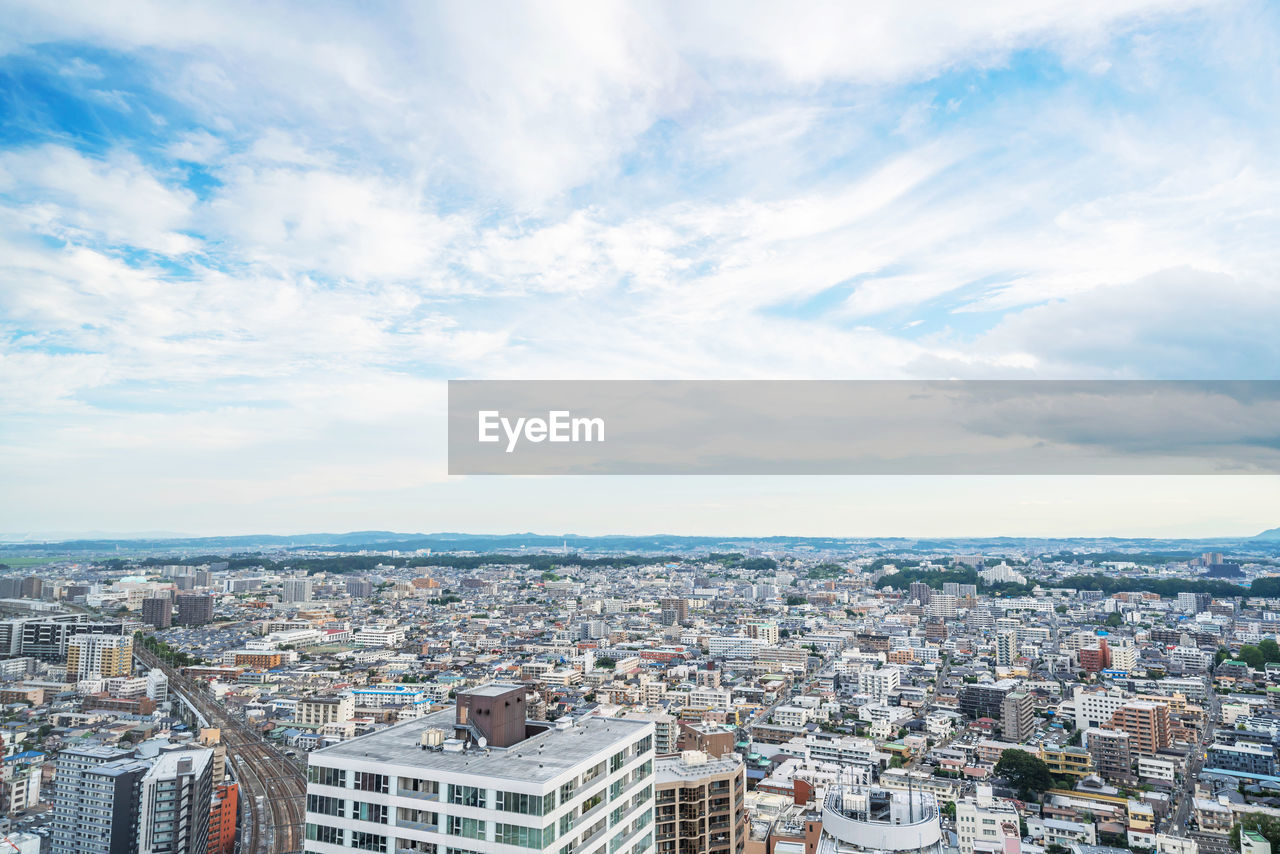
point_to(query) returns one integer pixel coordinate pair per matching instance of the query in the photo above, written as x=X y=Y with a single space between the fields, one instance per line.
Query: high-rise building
x=1095 y=658
x=675 y=611
x=1112 y=758
x=359 y=588
x=480 y=777
x=157 y=685
x=942 y=605
x=174 y=803
x=1017 y=716
x=1006 y=647
x=158 y=611
x=765 y=631
x=699 y=803
x=95 y=801
x=918 y=591
x=194 y=609
x=1146 y=723
x=47 y=639
x=222 y=818
x=32 y=587
x=985 y=701
x=95 y=655
x=297 y=590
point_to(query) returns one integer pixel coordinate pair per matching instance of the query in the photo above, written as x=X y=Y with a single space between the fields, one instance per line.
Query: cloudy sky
x=243 y=247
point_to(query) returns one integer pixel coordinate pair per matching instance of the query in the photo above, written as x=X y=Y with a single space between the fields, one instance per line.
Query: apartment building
x=95 y=801
x=1146 y=723
x=158 y=611
x=984 y=824
x=480 y=777
x=699 y=804
x=99 y=656
x=174 y=803
x=194 y=609
x=1017 y=716
x=318 y=711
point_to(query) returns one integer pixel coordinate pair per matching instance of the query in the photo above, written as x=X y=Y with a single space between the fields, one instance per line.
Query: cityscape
x=726 y=696
x=640 y=427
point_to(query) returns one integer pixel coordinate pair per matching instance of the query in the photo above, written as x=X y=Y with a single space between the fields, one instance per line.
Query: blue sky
x=241 y=248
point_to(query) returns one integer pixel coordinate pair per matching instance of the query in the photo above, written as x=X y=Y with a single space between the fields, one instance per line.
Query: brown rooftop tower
x=495 y=711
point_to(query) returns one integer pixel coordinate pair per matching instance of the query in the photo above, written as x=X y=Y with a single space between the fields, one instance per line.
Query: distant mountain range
x=1171 y=549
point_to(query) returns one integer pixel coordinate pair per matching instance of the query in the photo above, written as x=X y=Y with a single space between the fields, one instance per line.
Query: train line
x=272 y=788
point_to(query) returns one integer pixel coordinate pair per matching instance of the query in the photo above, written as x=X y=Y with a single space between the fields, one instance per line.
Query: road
x=1178 y=821
x=272 y=788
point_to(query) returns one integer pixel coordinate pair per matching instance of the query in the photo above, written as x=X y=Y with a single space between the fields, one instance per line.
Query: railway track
x=272 y=788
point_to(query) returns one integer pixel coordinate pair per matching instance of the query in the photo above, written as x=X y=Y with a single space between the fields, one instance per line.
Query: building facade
x=480 y=777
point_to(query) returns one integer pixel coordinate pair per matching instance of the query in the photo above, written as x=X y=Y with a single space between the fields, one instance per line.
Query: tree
x=1253 y=656
x=1114 y=620
x=604 y=662
x=1268 y=826
x=1270 y=649
x=1025 y=772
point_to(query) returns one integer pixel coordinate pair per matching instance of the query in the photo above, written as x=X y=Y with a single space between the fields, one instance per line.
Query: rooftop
x=539 y=758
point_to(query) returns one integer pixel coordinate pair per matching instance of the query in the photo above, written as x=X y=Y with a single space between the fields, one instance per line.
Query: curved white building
x=879 y=821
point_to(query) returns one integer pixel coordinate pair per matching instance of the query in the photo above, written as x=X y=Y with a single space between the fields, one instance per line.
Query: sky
x=244 y=246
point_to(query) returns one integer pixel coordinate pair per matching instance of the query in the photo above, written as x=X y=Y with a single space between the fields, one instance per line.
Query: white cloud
x=66 y=194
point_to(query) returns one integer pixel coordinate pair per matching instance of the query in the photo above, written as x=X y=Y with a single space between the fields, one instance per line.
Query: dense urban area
x=746 y=697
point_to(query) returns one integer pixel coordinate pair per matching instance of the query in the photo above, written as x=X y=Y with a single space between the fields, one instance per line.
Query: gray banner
x=864 y=427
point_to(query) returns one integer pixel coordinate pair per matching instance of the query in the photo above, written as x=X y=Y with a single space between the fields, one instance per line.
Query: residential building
x=699 y=803
x=222 y=818
x=318 y=711
x=296 y=590
x=1017 y=716
x=985 y=824
x=1146 y=723
x=1112 y=757
x=99 y=656
x=174 y=803
x=194 y=609
x=481 y=777
x=95 y=801
x=157 y=611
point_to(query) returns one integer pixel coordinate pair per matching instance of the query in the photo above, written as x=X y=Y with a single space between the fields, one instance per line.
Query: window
x=526 y=837
x=617 y=761
x=324 y=833
x=525 y=804
x=466 y=796
x=368 y=781
x=369 y=812
x=368 y=841
x=567 y=790
x=326 y=805
x=327 y=776
x=645 y=744
x=471 y=828
x=592 y=801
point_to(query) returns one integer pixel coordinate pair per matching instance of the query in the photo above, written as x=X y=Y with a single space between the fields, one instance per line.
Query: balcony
x=418 y=795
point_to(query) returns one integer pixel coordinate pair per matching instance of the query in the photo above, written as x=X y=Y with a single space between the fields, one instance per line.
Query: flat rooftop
x=538 y=759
